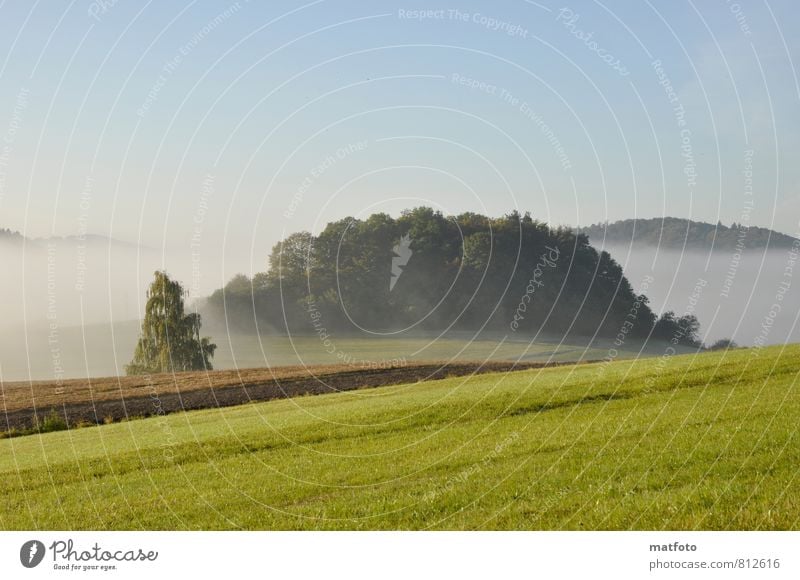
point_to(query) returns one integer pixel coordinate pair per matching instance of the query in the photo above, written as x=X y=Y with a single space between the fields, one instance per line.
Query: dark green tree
x=723 y=344
x=463 y=272
x=170 y=339
x=683 y=330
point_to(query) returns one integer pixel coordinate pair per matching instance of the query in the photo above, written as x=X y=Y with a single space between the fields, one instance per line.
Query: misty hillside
x=419 y=274
x=428 y=271
x=7 y=236
x=671 y=233
x=71 y=280
x=729 y=277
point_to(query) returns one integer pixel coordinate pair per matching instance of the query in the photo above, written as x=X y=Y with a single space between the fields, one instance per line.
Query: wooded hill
x=428 y=271
x=677 y=233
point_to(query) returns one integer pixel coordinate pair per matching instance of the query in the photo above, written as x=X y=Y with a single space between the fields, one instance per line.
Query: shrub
x=723 y=344
x=52 y=422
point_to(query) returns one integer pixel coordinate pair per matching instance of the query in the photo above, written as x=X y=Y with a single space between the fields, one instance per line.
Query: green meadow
x=700 y=441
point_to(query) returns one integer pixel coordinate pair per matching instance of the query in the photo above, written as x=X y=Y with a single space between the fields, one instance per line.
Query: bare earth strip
x=116 y=398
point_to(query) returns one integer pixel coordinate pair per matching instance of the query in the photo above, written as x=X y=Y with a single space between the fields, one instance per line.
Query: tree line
x=430 y=272
x=678 y=234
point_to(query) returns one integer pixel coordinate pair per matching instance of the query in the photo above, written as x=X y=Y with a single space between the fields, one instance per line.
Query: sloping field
x=705 y=441
x=110 y=399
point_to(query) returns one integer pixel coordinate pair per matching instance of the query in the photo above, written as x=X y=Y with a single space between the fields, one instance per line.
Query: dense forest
x=427 y=271
x=673 y=233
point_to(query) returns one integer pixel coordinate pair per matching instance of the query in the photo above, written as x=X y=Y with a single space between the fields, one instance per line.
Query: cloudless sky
x=233 y=124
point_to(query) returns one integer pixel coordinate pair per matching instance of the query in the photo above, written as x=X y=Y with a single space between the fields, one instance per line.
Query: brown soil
x=116 y=398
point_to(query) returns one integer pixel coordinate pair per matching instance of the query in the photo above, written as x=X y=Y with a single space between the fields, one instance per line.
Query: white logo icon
x=402 y=254
x=31 y=553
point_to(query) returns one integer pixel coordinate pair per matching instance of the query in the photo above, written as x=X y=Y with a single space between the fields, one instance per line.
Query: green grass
x=246 y=350
x=691 y=442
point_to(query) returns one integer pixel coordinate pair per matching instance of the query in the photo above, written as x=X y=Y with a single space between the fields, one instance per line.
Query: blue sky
x=235 y=123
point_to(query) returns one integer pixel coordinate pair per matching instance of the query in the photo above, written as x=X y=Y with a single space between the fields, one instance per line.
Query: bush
x=723 y=344
x=51 y=422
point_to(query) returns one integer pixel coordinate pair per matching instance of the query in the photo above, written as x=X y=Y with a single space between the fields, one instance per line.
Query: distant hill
x=7 y=235
x=678 y=233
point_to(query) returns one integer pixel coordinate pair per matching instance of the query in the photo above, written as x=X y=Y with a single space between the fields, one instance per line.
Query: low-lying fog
x=732 y=296
x=72 y=310
x=58 y=293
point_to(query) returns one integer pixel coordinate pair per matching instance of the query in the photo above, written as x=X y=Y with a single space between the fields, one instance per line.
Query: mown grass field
x=238 y=351
x=706 y=441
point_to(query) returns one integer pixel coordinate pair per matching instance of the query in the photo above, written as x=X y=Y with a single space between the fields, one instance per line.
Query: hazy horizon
x=197 y=136
x=95 y=312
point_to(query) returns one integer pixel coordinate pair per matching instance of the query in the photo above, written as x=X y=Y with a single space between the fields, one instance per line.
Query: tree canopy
x=427 y=271
x=170 y=339
x=677 y=233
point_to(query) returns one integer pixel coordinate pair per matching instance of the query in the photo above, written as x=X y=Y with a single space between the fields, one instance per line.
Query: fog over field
x=71 y=308
x=733 y=295
x=61 y=292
